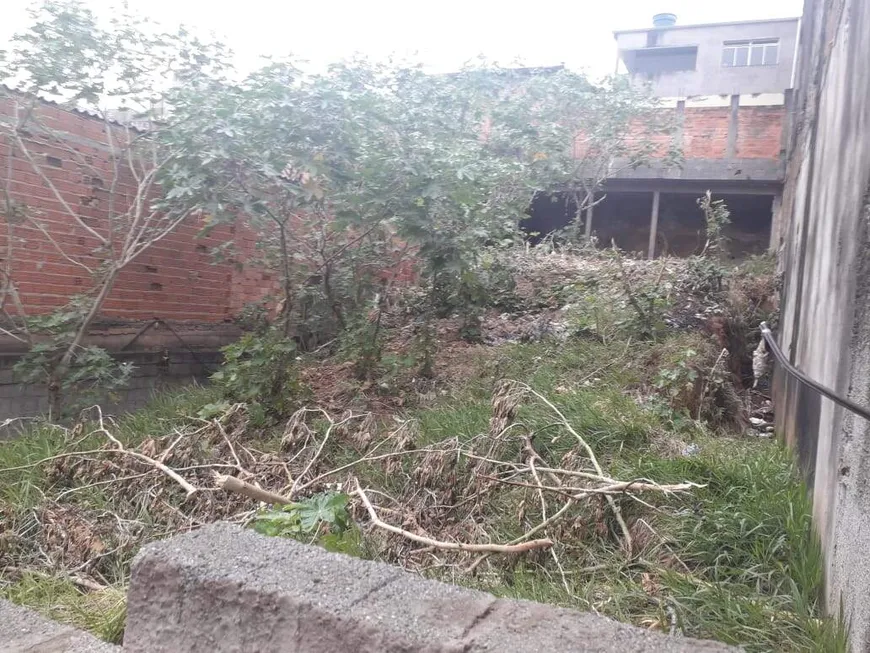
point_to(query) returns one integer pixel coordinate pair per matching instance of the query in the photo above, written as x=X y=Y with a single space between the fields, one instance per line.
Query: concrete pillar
x=653 y=225
x=733 y=126
x=775 y=222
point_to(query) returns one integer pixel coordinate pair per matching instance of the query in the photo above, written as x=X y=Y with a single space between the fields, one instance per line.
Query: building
x=730 y=86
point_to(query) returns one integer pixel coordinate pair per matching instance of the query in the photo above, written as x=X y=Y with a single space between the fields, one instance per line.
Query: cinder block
x=224 y=589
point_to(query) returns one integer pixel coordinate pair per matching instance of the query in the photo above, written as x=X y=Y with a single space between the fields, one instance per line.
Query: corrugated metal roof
x=137 y=125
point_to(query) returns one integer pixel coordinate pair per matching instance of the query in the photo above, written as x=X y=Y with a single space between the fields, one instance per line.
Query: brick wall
x=705 y=132
x=759 y=132
x=724 y=132
x=175 y=279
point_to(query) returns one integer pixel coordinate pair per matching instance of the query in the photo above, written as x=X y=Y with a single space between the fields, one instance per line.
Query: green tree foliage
x=345 y=173
x=261 y=371
x=342 y=175
x=575 y=134
x=121 y=71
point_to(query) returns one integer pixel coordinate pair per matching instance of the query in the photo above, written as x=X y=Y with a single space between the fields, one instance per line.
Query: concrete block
x=224 y=588
x=23 y=630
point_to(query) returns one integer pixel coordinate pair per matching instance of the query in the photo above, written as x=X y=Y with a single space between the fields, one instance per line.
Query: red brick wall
x=705 y=132
x=175 y=279
x=759 y=133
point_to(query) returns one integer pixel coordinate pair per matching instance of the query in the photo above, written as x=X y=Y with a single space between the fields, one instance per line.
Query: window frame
x=767 y=47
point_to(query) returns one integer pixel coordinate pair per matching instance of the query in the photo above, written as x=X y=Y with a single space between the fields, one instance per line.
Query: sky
x=443 y=34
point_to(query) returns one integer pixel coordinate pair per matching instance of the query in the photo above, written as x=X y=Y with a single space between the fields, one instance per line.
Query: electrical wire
x=803 y=378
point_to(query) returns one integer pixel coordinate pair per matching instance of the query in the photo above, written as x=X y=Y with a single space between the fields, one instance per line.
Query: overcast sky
x=443 y=34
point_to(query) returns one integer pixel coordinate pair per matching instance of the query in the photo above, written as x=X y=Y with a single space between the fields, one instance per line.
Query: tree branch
x=449 y=546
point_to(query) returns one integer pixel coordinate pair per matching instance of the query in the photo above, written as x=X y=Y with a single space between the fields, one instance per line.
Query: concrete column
x=587 y=231
x=653 y=225
x=679 y=139
x=775 y=222
x=733 y=126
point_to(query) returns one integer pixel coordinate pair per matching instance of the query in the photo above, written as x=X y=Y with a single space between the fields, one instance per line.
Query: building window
x=660 y=60
x=760 y=52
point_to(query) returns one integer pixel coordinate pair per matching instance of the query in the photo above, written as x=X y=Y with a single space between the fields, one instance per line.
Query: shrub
x=262 y=372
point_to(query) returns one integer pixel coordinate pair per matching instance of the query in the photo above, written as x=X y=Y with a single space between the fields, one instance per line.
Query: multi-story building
x=730 y=86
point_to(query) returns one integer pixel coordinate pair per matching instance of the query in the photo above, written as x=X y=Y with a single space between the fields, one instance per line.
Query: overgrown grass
x=733 y=560
x=103 y=612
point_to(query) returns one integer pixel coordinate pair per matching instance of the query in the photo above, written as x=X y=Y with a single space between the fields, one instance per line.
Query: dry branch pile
x=495 y=493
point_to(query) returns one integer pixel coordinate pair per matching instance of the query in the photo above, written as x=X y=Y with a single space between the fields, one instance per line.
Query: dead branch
x=119 y=448
x=359 y=461
x=450 y=546
x=332 y=425
x=622 y=487
x=232 y=484
x=617 y=512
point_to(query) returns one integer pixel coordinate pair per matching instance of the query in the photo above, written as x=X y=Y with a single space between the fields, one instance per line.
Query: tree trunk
x=287 y=282
x=62 y=368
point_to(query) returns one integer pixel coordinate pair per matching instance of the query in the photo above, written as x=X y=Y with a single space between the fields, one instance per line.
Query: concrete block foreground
x=25 y=631
x=225 y=589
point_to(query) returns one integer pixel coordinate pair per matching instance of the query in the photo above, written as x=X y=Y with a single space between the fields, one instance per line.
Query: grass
x=103 y=613
x=733 y=561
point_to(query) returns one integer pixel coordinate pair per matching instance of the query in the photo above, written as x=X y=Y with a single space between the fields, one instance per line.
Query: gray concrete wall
x=153 y=371
x=709 y=76
x=163 y=353
x=225 y=589
x=825 y=322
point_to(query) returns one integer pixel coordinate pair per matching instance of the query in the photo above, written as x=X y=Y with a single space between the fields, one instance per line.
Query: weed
x=262 y=371
x=103 y=612
x=733 y=559
x=716 y=218
x=325 y=511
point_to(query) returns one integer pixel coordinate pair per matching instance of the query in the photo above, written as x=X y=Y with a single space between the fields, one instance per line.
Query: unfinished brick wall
x=716 y=132
x=705 y=132
x=175 y=279
x=759 y=132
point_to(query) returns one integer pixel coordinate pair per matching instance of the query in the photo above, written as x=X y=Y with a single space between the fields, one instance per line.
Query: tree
x=574 y=135
x=341 y=172
x=120 y=73
x=331 y=169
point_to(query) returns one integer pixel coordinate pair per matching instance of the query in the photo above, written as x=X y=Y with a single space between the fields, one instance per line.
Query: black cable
x=803 y=378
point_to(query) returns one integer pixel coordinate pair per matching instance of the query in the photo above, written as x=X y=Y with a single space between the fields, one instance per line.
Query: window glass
x=760 y=52
x=756 y=55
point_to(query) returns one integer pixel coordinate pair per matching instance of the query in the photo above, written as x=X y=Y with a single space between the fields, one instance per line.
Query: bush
x=261 y=371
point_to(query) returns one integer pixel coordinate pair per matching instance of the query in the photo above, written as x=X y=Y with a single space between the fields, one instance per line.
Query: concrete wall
x=709 y=76
x=825 y=322
x=225 y=589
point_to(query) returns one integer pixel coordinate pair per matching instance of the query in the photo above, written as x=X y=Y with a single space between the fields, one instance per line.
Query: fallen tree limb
x=119 y=448
x=620 y=487
x=232 y=484
x=617 y=511
x=297 y=486
x=450 y=546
